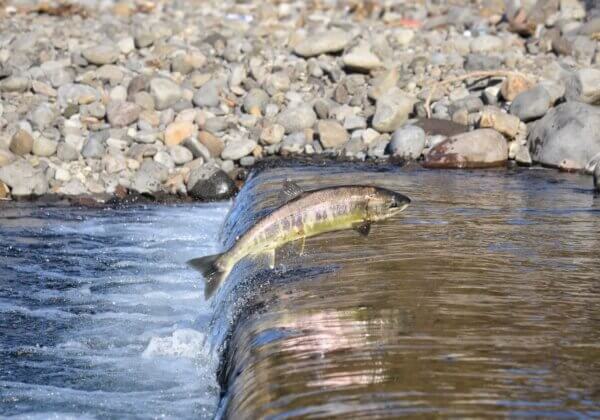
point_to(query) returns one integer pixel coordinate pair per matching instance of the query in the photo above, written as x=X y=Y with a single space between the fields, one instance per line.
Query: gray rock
x=238 y=148
x=209 y=183
x=66 y=152
x=165 y=92
x=44 y=147
x=392 y=111
x=155 y=169
x=101 y=54
x=568 y=133
x=6 y=157
x=297 y=118
x=43 y=116
x=144 y=182
x=121 y=114
x=272 y=134
x=475 y=149
x=21 y=143
x=407 y=142
x=293 y=143
x=198 y=149
x=93 y=148
x=361 y=58
x=255 y=101
x=165 y=159
x=485 y=44
x=95 y=109
x=584 y=86
x=180 y=154
x=73 y=187
x=75 y=93
x=354 y=148
x=209 y=94
x=24 y=179
x=377 y=149
x=324 y=42
x=331 y=134
x=531 y=104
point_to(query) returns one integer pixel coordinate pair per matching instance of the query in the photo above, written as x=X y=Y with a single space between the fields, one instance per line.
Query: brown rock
x=214 y=144
x=513 y=85
x=476 y=149
x=4 y=191
x=492 y=117
x=21 y=143
x=177 y=132
x=331 y=134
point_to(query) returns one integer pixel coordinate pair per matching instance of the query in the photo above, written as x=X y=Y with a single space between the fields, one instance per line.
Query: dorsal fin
x=289 y=191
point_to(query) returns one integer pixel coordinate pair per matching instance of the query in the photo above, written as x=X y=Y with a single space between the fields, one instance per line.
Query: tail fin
x=213 y=276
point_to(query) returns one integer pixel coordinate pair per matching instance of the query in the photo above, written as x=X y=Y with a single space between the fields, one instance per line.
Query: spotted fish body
x=307 y=214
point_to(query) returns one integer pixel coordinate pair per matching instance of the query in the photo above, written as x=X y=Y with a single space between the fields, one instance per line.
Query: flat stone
x=475 y=149
x=15 y=84
x=238 y=148
x=331 y=134
x=361 y=58
x=101 y=54
x=569 y=132
x=122 y=114
x=323 y=42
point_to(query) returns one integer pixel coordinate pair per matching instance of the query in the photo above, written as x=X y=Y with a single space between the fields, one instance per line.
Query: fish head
x=384 y=203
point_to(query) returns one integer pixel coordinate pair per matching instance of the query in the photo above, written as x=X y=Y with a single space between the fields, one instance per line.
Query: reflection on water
x=482 y=298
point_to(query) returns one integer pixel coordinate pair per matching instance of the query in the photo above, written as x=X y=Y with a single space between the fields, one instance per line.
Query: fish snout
x=400 y=201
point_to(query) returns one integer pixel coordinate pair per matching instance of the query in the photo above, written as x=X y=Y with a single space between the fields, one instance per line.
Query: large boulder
x=24 y=179
x=567 y=136
x=481 y=148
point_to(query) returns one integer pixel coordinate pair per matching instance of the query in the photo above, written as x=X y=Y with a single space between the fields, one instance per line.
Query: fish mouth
x=400 y=202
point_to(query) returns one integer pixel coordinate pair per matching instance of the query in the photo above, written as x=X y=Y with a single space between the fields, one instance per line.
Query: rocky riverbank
x=178 y=97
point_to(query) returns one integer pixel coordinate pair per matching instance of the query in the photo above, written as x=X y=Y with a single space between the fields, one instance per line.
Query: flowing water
x=100 y=317
x=481 y=299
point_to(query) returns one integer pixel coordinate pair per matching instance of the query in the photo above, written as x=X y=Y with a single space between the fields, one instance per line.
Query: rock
x=475 y=149
x=513 y=85
x=361 y=58
x=255 y=102
x=93 y=148
x=4 y=191
x=122 y=114
x=165 y=159
x=492 y=117
x=554 y=89
x=531 y=104
x=73 y=187
x=155 y=169
x=407 y=142
x=209 y=94
x=24 y=179
x=354 y=148
x=323 y=42
x=101 y=54
x=149 y=178
x=6 y=157
x=180 y=154
x=383 y=83
x=21 y=143
x=76 y=94
x=584 y=86
x=66 y=152
x=392 y=111
x=198 y=149
x=272 y=134
x=485 y=44
x=570 y=131
x=377 y=148
x=15 y=84
x=43 y=116
x=165 y=92
x=521 y=154
x=213 y=143
x=44 y=147
x=238 y=148
x=208 y=183
x=178 y=131
x=297 y=118
x=293 y=143
x=331 y=134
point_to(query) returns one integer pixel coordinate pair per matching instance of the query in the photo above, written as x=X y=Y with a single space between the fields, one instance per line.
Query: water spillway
x=482 y=298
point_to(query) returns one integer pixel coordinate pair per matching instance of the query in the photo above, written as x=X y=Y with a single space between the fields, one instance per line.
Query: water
x=99 y=315
x=482 y=299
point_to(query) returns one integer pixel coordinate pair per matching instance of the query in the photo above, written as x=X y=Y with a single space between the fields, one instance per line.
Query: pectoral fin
x=363 y=228
x=289 y=191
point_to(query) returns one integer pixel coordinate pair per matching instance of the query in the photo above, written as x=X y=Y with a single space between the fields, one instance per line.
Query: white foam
x=182 y=343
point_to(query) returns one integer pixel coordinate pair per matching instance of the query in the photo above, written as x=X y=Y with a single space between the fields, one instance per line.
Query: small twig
x=473 y=75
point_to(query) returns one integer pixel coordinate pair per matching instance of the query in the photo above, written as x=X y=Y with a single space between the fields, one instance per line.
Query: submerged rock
x=476 y=149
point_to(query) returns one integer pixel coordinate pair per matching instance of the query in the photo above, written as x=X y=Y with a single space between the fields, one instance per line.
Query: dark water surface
x=481 y=299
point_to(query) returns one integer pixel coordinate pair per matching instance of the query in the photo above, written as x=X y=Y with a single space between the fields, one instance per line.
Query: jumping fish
x=303 y=214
